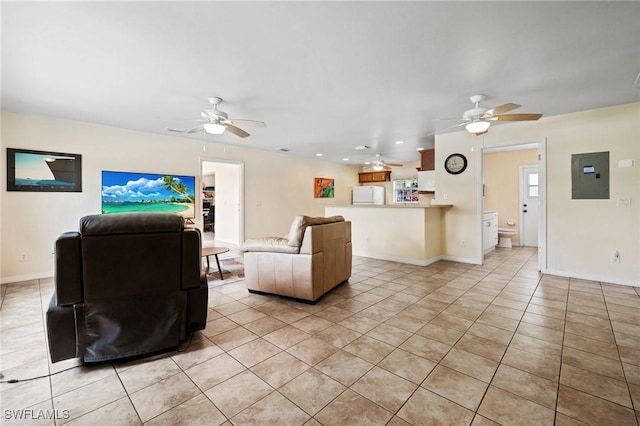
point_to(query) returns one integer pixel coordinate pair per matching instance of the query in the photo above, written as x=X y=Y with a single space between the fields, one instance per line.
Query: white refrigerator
x=368 y=194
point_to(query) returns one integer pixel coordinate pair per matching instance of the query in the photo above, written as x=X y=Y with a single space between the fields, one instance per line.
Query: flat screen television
x=29 y=170
x=126 y=192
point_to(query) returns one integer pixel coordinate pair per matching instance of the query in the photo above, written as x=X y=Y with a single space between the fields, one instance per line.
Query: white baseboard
x=28 y=277
x=462 y=260
x=417 y=262
x=591 y=277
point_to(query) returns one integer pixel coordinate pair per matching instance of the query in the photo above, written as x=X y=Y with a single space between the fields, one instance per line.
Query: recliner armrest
x=191 y=258
x=68 y=272
x=269 y=244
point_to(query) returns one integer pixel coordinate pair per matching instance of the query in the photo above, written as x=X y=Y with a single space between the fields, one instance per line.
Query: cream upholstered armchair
x=313 y=258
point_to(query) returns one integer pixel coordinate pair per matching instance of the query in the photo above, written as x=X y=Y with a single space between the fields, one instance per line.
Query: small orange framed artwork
x=323 y=187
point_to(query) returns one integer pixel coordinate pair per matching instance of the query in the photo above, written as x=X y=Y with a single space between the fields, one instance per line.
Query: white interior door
x=529 y=207
x=229 y=227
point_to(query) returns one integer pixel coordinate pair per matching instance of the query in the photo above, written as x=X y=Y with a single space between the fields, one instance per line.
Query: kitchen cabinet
x=489 y=231
x=368 y=177
x=427 y=159
x=426 y=172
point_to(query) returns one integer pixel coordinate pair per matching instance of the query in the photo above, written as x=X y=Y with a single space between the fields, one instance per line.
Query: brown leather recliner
x=313 y=259
x=126 y=284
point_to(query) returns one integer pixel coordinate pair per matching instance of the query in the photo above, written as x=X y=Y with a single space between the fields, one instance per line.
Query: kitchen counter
x=394 y=206
x=406 y=233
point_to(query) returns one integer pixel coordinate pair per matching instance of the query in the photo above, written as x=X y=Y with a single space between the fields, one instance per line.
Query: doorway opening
x=222 y=202
x=513 y=176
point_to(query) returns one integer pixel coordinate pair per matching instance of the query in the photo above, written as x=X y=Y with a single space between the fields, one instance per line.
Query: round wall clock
x=455 y=164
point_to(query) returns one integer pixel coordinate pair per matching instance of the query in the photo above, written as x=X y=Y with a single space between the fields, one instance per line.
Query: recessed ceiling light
x=318 y=155
x=345 y=159
x=419 y=149
x=367 y=162
x=399 y=142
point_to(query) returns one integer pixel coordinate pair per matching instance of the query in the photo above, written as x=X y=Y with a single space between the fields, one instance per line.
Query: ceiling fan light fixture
x=378 y=168
x=477 y=126
x=214 y=128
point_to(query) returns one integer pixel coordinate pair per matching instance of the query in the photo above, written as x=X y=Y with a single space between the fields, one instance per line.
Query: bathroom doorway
x=223 y=191
x=509 y=171
x=529 y=206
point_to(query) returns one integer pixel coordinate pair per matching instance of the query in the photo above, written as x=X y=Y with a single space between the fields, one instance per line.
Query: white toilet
x=505 y=235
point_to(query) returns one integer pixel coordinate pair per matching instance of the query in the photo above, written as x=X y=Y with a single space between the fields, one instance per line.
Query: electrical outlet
x=615 y=257
x=444 y=196
x=23 y=257
x=623 y=202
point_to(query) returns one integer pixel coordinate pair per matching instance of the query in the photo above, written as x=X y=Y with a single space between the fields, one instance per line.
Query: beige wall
x=277 y=186
x=501 y=177
x=581 y=234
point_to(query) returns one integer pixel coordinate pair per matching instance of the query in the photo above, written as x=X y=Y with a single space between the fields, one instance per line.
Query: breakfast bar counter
x=407 y=233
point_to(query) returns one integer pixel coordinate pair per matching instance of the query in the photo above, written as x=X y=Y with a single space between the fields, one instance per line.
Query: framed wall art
x=323 y=187
x=43 y=171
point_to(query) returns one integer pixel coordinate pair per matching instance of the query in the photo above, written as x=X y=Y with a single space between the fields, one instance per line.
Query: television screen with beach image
x=127 y=192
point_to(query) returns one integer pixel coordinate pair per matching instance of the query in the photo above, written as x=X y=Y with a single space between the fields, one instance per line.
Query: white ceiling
x=324 y=76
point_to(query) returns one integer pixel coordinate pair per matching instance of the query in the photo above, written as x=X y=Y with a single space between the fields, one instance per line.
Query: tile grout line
x=624 y=373
x=507 y=347
x=564 y=328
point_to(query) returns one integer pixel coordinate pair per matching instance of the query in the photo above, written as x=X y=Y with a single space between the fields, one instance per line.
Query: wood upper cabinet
x=427 y=159
x=383 y=176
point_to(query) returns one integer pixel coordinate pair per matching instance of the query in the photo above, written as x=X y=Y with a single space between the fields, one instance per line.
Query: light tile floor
x=445 y=344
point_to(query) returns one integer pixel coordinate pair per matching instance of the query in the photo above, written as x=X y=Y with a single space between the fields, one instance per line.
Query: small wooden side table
x=214 y=251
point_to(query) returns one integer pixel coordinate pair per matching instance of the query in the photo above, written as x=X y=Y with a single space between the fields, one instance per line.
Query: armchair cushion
x=269 y=244
x=300 y=223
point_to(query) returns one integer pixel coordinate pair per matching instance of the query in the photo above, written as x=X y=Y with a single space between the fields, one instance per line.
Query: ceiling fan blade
x=452 y=127
x=236 y=130
x=241 y=122
x=196 y=129
x=502 y=109
x=515 y=117
x=393 y=164
x=377 y=168
x=192 y=130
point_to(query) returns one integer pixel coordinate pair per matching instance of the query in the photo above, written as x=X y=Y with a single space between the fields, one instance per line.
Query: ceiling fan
x=478 y=119
x=216 y=122
x=379 y=165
